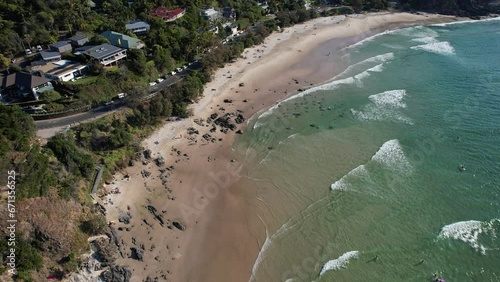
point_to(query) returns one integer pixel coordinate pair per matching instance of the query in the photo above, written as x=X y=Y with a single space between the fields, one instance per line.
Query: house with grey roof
x=49 y=56
x=122 y=40
x=61 y=47
x=25 y=85
x=138 y=26
x=106 y=54
x=78 y=40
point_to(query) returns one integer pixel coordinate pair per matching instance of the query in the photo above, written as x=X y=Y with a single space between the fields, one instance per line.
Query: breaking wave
x=338 y=80
x=384 y=106
x=340 y=262
x=469 y=232
x=426 y=40
x=392 y=156
x=344 y=182
x=442 y=48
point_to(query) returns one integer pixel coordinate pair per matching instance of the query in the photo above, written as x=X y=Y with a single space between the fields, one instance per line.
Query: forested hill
x=43 y=21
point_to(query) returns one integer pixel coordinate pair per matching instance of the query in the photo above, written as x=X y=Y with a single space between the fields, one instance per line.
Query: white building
x=63 y=70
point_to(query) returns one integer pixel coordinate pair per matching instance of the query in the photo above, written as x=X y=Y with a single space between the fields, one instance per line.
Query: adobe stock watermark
x=11 y=221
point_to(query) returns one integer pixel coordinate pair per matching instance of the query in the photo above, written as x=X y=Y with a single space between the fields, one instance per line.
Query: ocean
x=390 y=170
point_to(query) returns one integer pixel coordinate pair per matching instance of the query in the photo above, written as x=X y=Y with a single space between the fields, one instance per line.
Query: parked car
x=28 y=52
x=39 y=48
x=109 y=103
x=152 y=83
x=173 y=73
x=184 y=67
x=121 y=95
x=159 y=80
x=179 y=69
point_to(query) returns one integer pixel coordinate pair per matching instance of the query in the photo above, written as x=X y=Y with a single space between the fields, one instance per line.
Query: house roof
x=48 y=55
x=137 y=24
x=78 y=37
x=61 y=67
x=121 y=40
x=24 y=79
x=163 y=12
x=60 y=44
x=102 y=51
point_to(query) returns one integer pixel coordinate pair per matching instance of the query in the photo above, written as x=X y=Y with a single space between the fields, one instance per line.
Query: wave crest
x=469 y=232
x=442 y=48
x=339 y=263
x=392 y=156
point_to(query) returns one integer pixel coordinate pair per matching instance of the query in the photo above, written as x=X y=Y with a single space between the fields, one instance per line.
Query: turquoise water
x=390 y=171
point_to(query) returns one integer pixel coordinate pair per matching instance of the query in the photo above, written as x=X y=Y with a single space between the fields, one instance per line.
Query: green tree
x=162 y=59
x=76 y=161
x=98 y=40
x=137 y=61
x=4 y=62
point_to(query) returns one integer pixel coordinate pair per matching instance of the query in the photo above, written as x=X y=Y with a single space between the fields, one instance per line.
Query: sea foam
x=392 y=156
x=343 y=183
x=467 y=21
x=337 y=81
x=442 y=48
x=469 y=232
x=339 y=263
x=392 y=98
x=426 y=40
x=384 y=106
x=417 y=31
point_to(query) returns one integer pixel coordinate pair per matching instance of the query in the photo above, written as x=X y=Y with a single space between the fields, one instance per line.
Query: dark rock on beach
x=137 y=254
x=117 y=274
x=179 y=225
x=147 y=154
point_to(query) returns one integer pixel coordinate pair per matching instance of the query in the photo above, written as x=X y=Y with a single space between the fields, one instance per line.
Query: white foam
x=377 y=68
x=340 y=262
x=469 y=232
x=392 y=156
x=466 y=231
x=343 y=183
x=384 y=106
x=392 y=98
x=368 y=39
x=417 y=31
x=467 y=21
x=442 y=48
x=426 y=40
x=336 y=81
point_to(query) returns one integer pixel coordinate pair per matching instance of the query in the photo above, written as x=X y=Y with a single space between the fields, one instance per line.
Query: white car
x=179 y=69
x=184 y=67
x=39 y=48
x=28 y=52
x=159 y=80
x=173 y=73
x=152 y=83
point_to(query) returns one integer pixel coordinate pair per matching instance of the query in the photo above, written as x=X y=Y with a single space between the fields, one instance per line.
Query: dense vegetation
x=57 y=173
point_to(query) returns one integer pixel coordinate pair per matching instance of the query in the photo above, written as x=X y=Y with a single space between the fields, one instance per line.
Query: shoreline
x=222 y=236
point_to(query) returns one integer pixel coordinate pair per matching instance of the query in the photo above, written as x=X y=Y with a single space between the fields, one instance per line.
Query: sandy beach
x=190 y=219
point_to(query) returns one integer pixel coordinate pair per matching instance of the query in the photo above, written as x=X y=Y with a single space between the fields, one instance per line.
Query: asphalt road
x=60 y=123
